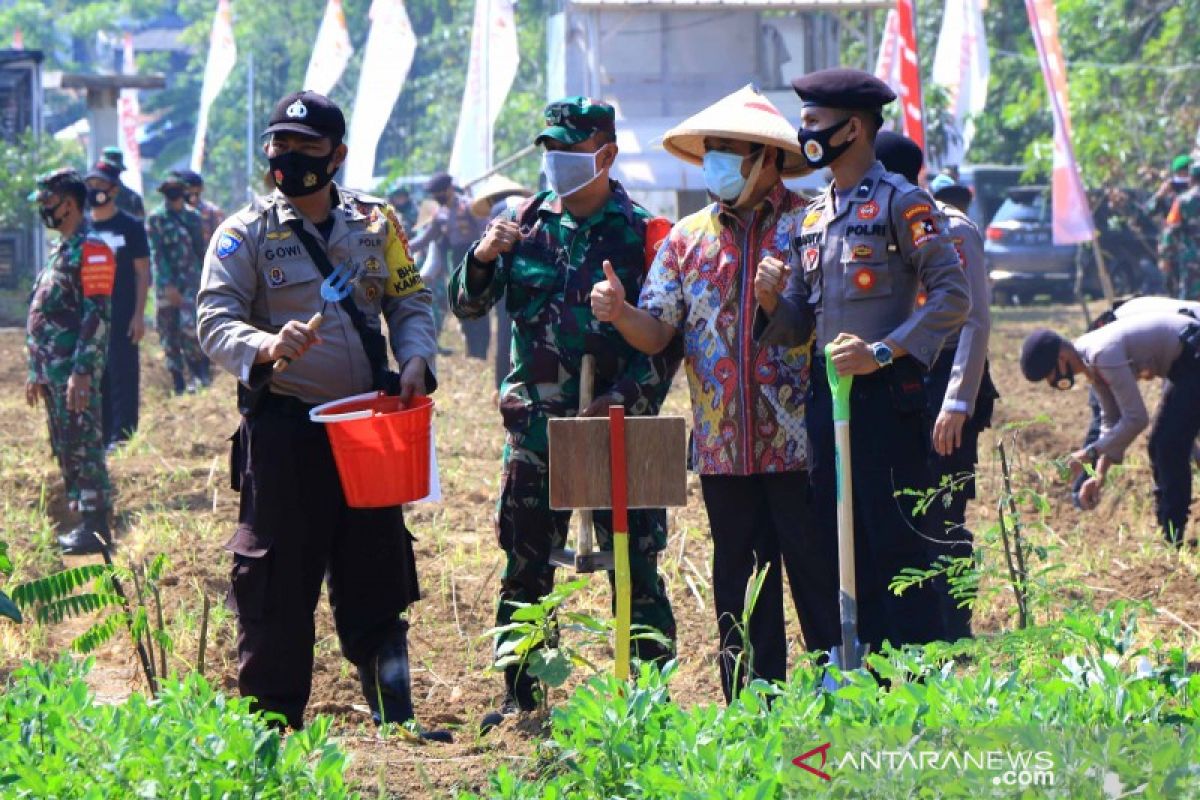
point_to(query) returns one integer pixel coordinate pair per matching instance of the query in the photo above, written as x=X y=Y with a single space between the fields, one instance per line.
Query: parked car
x=1022 y=259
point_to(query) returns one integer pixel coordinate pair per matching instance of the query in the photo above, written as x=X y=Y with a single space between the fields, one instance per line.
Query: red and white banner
x=331 y=52
x=222 y=55
x=128 y=114
x=1071 y=215
x=887 y=62
x=491 y=69
x=909 y=90
x=391 y=45
x=960 y=65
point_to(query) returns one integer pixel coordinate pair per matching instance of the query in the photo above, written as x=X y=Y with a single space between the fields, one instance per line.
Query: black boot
x=387 y=684
x=178 y=383
x=203 y=373
x=91 y=535
x=522 y=692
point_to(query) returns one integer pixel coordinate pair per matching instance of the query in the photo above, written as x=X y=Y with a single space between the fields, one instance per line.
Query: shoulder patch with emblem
x=923 y=230
x=98 y=269
x=228 y=243
x=915 y=211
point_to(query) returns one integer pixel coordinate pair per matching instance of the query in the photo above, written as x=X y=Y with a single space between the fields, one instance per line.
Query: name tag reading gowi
x=581 y=470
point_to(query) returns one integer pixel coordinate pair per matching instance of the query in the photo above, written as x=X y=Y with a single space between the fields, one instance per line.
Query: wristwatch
x=882 y=353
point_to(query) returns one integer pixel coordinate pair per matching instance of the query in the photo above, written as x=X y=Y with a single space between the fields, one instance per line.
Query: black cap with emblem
x=308 y=114
x=843 y=88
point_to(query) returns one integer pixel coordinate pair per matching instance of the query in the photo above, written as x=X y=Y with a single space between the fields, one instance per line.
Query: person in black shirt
x=126 y=236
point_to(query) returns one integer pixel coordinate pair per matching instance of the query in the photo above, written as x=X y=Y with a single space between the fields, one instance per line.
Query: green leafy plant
x=191 y=742
x=7 y=607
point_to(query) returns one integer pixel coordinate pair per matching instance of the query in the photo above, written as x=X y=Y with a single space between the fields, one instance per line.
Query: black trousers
x=944 y=525
x=889 y=431
x=119 y=388
x=295 y=531
x=755 y=520
x=1176 y=425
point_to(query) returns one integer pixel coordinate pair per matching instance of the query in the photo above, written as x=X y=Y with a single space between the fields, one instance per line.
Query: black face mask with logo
x=299 y=174
x=49 y=219
x=816 y=145
x=98 y=197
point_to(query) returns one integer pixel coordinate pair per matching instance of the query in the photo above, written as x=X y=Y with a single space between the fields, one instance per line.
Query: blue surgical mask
x=567 y=173
x=723 y=175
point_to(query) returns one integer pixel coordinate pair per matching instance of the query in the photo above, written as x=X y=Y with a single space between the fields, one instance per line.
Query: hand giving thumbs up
x=608 y=296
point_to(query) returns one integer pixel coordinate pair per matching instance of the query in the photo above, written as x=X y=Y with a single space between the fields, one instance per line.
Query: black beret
x=899 y=154
x=439 y=183
x=843 y=88
x=1039 y=354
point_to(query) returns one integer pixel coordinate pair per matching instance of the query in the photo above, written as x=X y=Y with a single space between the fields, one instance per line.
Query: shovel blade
x=583 y=563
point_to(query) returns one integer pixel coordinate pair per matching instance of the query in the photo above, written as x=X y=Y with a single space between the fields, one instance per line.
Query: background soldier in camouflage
x=1179 y=250
x=546 y=255
x=128 y=200
x=177 y=248
x=211 y=215
x=67 y=336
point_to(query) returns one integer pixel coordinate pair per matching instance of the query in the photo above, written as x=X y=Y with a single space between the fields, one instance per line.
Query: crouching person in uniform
x=259 y=291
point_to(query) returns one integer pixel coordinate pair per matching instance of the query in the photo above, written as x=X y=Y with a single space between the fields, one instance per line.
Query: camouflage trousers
x=177 y=333
x=77 y=442
x=529 y=530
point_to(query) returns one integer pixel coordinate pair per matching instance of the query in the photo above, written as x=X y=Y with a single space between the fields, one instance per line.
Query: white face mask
x=567 y=173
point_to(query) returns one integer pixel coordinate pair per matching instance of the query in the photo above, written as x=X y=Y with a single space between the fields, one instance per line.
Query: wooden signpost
x=617 y=463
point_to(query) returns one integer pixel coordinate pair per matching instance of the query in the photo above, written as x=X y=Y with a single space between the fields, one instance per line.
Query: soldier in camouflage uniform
x=1179 y=249
x=129 y=201
x=545 y=255
x=67 y=337
x=177 y=248
x=211 y=215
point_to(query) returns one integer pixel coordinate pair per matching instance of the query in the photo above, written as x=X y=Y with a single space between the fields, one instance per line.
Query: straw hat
x=492 y=190
x=745 y=115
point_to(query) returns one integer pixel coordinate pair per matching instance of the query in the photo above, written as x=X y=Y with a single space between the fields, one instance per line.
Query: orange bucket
x=381 y=447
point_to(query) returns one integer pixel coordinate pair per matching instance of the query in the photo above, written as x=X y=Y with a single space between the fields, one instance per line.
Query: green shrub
x=192 y=743
x=1106 y=717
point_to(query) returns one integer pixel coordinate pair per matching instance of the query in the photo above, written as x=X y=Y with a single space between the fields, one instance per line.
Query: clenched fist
x=608 y=296
x=501 y=237
x=769 y=282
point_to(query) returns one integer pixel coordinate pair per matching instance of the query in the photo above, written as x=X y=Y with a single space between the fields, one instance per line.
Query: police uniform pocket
x=292 y=290
x=865 y=268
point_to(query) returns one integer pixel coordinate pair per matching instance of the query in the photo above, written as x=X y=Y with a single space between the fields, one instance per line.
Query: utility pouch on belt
x=373 y=342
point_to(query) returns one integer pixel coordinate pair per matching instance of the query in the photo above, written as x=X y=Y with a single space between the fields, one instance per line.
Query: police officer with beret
x=865 y=248
x=259 y=292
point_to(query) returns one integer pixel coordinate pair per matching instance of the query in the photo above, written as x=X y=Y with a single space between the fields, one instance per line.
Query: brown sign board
x=655 y=457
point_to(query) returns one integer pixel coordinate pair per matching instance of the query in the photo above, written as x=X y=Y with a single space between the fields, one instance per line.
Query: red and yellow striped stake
x=620 y=531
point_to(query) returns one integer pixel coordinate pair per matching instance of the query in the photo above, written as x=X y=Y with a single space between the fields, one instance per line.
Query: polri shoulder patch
x=228 y=243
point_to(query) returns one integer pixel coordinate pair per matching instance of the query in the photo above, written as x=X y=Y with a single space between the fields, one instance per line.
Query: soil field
x=174 y=498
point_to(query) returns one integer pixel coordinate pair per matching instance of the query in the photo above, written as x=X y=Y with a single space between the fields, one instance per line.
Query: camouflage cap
x=574 y=119
x=114 y=156
x=174 y=178
x=58 y=181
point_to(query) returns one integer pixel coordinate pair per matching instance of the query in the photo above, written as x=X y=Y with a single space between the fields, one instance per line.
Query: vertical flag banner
x=128 y=113
x=887 y=63
x=960 y=65
x=491 y=69
x=331 y=52
x=391 y=45
x=911 y=106
x=1071 y=215
x=222 y=55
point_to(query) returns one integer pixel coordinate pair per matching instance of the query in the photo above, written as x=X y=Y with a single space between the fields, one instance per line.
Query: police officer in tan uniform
x=259 y=291
x=865 y=248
